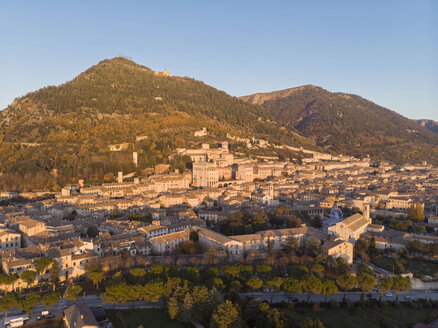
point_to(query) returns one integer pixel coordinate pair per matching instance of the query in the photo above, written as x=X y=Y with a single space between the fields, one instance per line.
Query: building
x=9 y=240
x=352 y=227
x=166 y=244
x=245 y=172
x=31 y=227
x=205 y=174
x=200 y=133
x=79 y=316
x=339 y=248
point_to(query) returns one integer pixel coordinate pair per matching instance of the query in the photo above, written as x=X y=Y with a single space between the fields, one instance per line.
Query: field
x=388 y=316
x=417 y=267
x=148 y=318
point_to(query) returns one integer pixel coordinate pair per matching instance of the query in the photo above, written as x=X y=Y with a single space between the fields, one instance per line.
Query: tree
x=260 y=219
x=299 y=271
x=291 y=245
x=416 y=212
x=311 y=285
x=92 y=232
x=54 y=273
x=96 y=275
x=28 y=302
x=172 y=307
x=138 y=272
x=328 y=288
x=41 y=265
x=384 y=284
x=275 y=318
x=29 y=276
x=366 y=282
x=9 y=280
x=318 y=270
x=419 y=212
x=194 y=236
x=201 y=310
x=7 y=302
x=401 y=284
x=313 y=323
x=3 y=281
x=292 y=286
x=346 y=282
x=226 y=315
x=211 y=254
x=109 y=298
x=316 y=222
x=254 y=283
x=72 y=292
x=186 y=308
x=153 y=291
x=50 y=299
x=274 y=284
x=263 y=269
x=231 y=270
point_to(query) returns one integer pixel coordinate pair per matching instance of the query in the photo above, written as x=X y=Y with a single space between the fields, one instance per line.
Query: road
x=352 y=296
x=91 y=300
x=95 y=301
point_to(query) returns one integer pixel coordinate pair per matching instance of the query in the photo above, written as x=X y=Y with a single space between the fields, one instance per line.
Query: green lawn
x=148 y=318
x=387 y=317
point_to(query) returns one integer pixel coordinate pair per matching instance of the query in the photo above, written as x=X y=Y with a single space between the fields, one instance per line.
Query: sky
x=385 y=51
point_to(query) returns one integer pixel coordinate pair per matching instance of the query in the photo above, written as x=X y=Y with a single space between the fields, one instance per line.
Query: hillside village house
x=79 y=316
x=9 y=240
x=339 y=248
x=166 y=244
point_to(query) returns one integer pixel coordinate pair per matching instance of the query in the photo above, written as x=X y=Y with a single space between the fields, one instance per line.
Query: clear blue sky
x=386 y=51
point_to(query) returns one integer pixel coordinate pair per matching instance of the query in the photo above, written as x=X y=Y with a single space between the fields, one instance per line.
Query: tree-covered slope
x=60 y=133
x=349 y=124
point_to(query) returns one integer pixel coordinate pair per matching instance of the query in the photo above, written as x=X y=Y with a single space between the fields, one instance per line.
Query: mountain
x=349 y=124
x=61 y=133
x=429 y=124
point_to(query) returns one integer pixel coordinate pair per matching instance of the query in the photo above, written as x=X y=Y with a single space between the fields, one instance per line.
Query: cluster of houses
x=173 y=205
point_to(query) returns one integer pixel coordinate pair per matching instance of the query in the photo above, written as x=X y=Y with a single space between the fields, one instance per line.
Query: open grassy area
x=416 y=266
x=421 y=267
x=148 y=318
x=387 y=316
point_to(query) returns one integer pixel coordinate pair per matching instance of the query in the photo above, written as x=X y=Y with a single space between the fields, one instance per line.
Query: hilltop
x=429 y=124
x=349 y=124
x=60 y=133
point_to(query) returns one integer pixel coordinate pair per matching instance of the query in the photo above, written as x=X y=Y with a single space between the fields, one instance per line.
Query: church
x=352 y=227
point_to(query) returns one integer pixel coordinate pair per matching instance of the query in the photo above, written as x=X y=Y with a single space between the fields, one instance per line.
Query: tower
x=135 y=158
x=366 y=212
x=271 y=191
x=120 y=177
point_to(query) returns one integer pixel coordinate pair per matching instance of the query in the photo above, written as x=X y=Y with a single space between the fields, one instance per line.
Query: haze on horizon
x=386 y=52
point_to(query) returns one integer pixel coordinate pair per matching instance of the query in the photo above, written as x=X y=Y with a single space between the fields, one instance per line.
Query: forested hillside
x=349 y=124
x=61 y=133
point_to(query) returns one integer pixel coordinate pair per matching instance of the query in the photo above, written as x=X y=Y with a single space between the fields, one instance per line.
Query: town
x=331 y=218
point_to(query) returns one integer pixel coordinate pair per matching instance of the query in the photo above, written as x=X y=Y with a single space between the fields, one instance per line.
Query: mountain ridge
x=431 y=125
x=56 y=134
x=350 y=124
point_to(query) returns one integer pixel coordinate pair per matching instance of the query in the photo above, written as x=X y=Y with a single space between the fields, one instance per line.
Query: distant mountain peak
x=349 y=124
x=260 y=97
x=431 y=125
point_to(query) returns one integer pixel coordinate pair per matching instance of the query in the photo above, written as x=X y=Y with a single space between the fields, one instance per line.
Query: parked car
x=388 y=294
x=294 y=300
x=408 y=297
